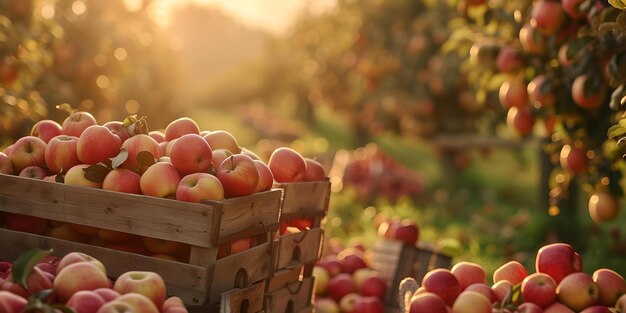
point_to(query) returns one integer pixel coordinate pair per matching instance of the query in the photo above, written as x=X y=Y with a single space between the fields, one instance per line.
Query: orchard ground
x=489 y=214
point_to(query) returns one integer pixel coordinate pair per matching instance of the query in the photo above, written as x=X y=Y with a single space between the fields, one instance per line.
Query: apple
x=406 y=231
x=314 y=170
x=6 y=167
x=34 y=172
x=221 y=139
x=332 y=265
x=250 y=153
x=65 y=232
x=180 y=127
x=321 y=279
x=160 y=180
x=238 y=175
x=117 y=128
x=168 y=147
x=84 y=229
x=61 y=154
x=352 y=260
x=136 y=144
x=97 y=144
x=557 y=260
x=26 y=223
x=11 y=303
x=235 y=247
x=122 y=180
x=547 y=16
x=163 y=148
x=347 y=302
x=191 y=154
x=198 y=187
x=576 y=9
x=28 y=151
x=558 y=307
x=596 y=309
x=587 y=92
x=578 y=291
x=219 y=155
x=113 y=236
x=161 y=246
x=532 y=41
x=116 y=307
x=538 y=96
x=484 y=54
x=442 y=283
x=325 y=305
x=149 y=284
x=5 y=269
x=287 y=165
x=427 y=302
x=512 y=271
x=611 y=286
x=75 y=176
x=368 y=305
x=77 y=257
x=573 y=158
x=513 y=93
x=85 y=301
x=341 y=285
x=468 y=273
x=471 y=302
x=540 y=289
x=172 y=302
x=266 y=179
x=520 y=120
x=603 y=206
x=78 y=276
x=37 y=280
x=501 y=289
x=46 y=130
x=620 y=305
x=76 y=123
x=510 y=60
x=374 y=286
x=361 y=274
x=485 y=290
x=529 y=307
x=158 y=136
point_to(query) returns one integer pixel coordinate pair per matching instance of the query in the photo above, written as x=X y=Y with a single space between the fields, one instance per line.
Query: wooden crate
x=396 y=260
x=204 y=226
x=298 y=249
x=305 y=200
x=293 y=297
x=240 y=300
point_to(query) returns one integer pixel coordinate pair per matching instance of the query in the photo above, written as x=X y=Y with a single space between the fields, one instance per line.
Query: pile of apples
x=180 y=162
x=403 y=230
x=344 y=282
x=558 y=286
x=77 y=282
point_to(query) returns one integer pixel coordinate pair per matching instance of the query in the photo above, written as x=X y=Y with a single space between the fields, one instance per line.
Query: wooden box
x=298 y=248
x=240 y=300
x=396 y=260
x=204 y=226
x=305 y=200
x=293 y=297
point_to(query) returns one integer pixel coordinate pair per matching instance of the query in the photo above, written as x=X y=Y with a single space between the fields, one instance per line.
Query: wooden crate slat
x=248 y=299
x=258 y=211
x=255 y=261
x=295 y=296
x=306 y=243
x=283 y=277
x=186 y=281
x=147 y=216
x=305 y=197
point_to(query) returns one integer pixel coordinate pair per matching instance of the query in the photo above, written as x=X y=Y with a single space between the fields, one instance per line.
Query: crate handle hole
x=296 y=255
x=245 y=306
x=289 y=307
x=241 y=280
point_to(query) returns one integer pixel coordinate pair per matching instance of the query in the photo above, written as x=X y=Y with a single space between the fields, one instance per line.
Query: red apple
x=520 y=120
x=540 y=289
x=34 y=172
x=26 y=223
x=332 y=265
x=172 y=302
x=76 y=277
x=573 y=159
x=163 y=148
x=250 y=153
x=538 y=95
x=28 y=151
x=116 y=307
x=374 y=286
x=611 y=286
x=596 y=309
x=37 y=280
x=368 y=305
x=238 y=176
x=287 y=165
x=578 y=291
x=325 y=305
x=266 y=179
x=65 y=232
x=577 y=9
x=588 y=97
x=532 y=41
x=61 y=154
x=557 y=260
x=138 y=302
x=321 y=279
x=529 y=307
x=160 y=180
x=75 y=176
x=46 y=130
x=427 y=302
x=485 y=290
x=471 y=302
x=85 y=301
x=603 y=206
x=191 y=154
x=347 y=302
x=117 y=128
x=513 y=93
x=77 y=257
x=96 y=144
x=352 y=260
x=314 y=170
x=406 y=231
x=180 y=127
x=510 y=60
x=547 y=16
x=198 y=187
x=76 y=123
x=443 y=283
x=122 y=180
x=221 y=139
x=468 y=273
x=512 y=271
x=157 y=135
x=161 y=246
x=235 y=247
x=136 y=144
x=501 y=289
x=5 y=270
x=112 y=236
x=11 y=303
x=341 y=285
x=219 y=155
x=6 y=167
x=558 y=307
x=149 y=284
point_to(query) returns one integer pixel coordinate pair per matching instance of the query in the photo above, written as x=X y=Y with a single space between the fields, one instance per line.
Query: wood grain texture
x=186 y=281
x=258 y=211
x=147 y=216
x=305 y=199
x=299 y=248
x=248 y=299
x=283 y=277
x=291 y=298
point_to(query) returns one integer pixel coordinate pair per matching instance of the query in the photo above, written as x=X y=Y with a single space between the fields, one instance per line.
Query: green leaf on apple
x=119 y=158
x=66 y=107
x=616 y=131
x=620 y=4
x=145 y=159
x=617 y=98
x=25 y=264
x=40 y=295
x=96 y=173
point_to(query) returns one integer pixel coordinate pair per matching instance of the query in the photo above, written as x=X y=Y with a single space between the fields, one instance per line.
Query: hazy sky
x=272 y=15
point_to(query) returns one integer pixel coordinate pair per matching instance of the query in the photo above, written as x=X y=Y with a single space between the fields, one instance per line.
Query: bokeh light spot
x=102 y=81
x=120 y=54
x=79 y=7
x=47 y=11
x=132 y=106
x=100 y=60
